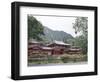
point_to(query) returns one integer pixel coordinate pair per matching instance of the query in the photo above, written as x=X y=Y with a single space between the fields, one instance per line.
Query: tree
x=71 y=41
x=82 y=42
x=81 y=25
x=35 y=28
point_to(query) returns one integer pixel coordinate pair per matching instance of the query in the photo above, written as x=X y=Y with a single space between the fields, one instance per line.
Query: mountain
x=51 y=35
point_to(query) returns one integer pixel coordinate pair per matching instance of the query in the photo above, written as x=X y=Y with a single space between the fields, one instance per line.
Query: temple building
x=59 y=47
x=54 y=48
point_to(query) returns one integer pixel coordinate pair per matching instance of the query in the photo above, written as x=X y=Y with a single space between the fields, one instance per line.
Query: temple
x=54 y=48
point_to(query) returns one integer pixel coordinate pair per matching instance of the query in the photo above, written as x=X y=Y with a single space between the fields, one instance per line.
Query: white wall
x=5 y=40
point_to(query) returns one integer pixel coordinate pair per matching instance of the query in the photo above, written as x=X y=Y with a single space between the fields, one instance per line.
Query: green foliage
x=35 y=28
x=70 y=41
x=81 y=25
x=82 y=42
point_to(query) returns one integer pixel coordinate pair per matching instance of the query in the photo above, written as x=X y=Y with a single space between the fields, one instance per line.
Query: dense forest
x=35 y=28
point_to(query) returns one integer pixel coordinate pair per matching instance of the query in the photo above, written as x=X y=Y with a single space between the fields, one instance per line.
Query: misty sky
x=58 y=23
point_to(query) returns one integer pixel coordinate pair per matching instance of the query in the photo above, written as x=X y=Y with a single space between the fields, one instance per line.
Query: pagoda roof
x=59 y=43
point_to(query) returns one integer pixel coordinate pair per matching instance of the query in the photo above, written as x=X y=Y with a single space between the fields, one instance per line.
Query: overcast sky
x=58 y=23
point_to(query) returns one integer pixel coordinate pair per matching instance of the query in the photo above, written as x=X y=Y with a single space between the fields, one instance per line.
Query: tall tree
x=81 y=25
x=35 y=28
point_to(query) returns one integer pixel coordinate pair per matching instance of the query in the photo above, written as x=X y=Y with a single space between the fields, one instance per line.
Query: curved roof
x=59 y=43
